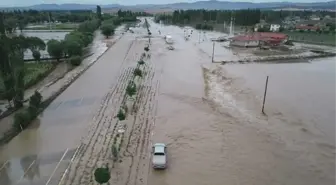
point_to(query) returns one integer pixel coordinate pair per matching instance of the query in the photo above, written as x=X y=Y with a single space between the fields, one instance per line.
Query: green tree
x=55 y=49
x=73 y=47
x=102 y=175
x=75 y=60
x=131 y=89
x=121 y=115
x=10 y=24
x=115 y=152
x=36 y=55
x=107 y=30
x=99 y=15
x=35 y=43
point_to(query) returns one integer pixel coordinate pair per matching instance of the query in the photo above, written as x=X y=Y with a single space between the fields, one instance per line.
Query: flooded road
x=203 y=112
x=41 y=153
x=218 y=136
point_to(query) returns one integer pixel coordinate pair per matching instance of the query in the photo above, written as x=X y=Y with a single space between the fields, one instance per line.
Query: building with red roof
x=259 y=38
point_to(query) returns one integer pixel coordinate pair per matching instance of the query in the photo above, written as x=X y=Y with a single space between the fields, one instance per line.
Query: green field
x=34 y=72
x=312 y=37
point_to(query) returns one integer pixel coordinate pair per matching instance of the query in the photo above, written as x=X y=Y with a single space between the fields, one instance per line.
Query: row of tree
x=247 y=17
x=12 y=50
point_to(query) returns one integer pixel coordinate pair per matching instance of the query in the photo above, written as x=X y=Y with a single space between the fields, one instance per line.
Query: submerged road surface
x=40 y=154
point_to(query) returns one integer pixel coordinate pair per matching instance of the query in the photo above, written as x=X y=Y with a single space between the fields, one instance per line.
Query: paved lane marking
x=4 y=165
x=52 y=174
x=67 y=169
x=26 y=171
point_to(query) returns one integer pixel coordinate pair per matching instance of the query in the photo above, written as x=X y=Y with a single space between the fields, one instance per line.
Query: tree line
x=13 y=46
x=247 y=17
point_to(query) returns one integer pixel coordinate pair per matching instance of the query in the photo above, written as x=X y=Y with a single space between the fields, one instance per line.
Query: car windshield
x=159 y=153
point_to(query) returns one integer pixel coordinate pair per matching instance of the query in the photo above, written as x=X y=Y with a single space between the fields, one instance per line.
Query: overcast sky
x=124 y=2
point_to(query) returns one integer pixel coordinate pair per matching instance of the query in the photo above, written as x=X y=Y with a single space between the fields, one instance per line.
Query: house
x=275 y=27
x=259 y=38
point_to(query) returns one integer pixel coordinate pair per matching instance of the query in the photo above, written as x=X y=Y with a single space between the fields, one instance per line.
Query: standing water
x=301 y=93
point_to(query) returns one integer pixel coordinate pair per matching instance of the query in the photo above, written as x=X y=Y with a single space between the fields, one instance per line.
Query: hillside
x=210 y=5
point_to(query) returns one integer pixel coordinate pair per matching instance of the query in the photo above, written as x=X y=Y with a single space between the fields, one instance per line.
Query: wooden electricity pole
x=263 y=106
x=213 y=52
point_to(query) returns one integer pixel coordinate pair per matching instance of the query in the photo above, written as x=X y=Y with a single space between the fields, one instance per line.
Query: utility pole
x=263 y=106
x=213 y=52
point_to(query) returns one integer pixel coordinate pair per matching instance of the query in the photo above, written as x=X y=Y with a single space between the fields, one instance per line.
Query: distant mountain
x=211 y=5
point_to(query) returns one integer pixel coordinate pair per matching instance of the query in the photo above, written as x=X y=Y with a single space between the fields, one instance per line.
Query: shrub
x=35 y=100
x=121 y=115
x=21 y=120
x=75 y=60
x=137 y=72
x=102 y=175
x=36 y=55
x=107 y=30
x=115 y=152
x=146 y=48
x=141 y=62
x=55 y=49
x=131 y=89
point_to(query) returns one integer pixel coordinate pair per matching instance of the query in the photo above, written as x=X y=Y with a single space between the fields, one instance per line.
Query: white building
x=275 y=27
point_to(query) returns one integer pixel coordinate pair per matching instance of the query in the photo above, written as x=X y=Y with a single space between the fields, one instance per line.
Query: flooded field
x=303 y=93
x=45 y=36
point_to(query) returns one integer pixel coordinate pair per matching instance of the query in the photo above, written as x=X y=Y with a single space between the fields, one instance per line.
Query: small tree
x=121 y=115
x=131 y=89
x=75 y=60
x=141 y=62
x=37 y=55
x=107 y=30
x=55 y=49
x=73 y=46
x=102 y=175
x=137 y=72
x=115 y=152
x=146 y=48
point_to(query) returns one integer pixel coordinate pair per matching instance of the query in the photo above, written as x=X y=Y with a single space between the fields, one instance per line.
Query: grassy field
x=312 y=37
x=34 y=72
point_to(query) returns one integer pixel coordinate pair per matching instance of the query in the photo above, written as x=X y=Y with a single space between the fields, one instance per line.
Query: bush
x=131 y=89
x=35 y=100
x=121 y=115
x=107 y=30
x=115 y=152
x=36 y=55
x=21 y=120
x=137 y=72
x=55 y=49
x=73 y=46
x=146 y=48
x=141 y=62
x=75 y=60
x=102 y=175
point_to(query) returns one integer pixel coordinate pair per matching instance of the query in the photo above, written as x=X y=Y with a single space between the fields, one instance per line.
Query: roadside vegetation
x=128 y=106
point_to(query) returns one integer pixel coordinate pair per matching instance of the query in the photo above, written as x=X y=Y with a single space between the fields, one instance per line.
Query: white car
x=159 y=159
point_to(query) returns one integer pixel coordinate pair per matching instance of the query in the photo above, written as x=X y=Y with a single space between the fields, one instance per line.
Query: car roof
x=159 y=144
x=159 y=149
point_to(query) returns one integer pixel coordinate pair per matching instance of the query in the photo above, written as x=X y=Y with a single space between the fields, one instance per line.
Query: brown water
x=303 y=93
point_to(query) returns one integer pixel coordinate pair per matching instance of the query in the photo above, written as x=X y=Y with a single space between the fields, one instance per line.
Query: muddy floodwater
x=301 y=93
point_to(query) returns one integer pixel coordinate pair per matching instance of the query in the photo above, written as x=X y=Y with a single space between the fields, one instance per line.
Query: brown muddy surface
x=209 y=141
